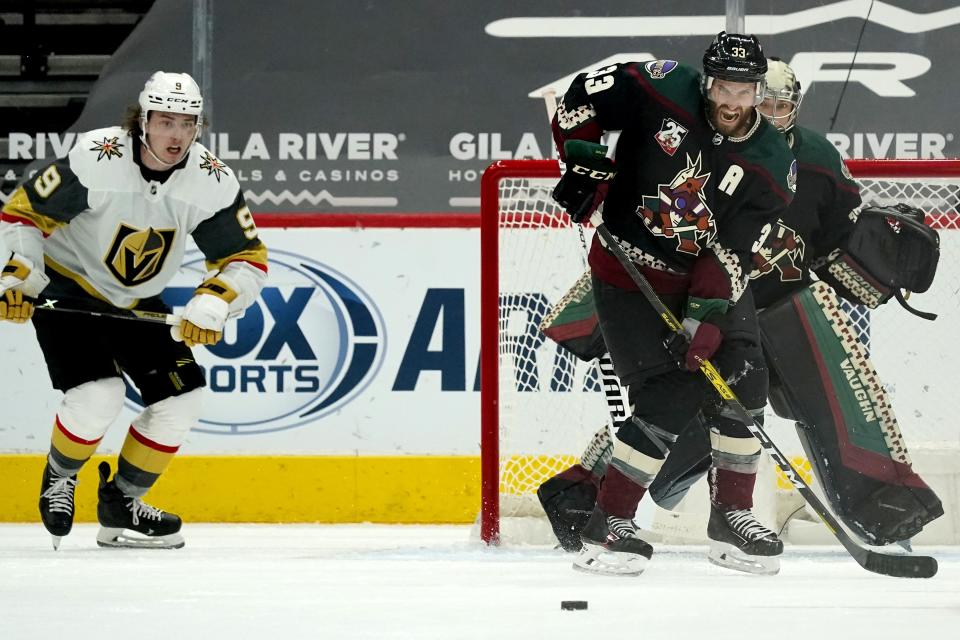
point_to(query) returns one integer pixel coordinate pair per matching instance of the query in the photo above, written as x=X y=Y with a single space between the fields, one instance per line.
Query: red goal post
x=539 y=408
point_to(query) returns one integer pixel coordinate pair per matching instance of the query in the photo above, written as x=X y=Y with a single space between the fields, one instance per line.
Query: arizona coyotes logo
x=108 y=148
x=782 y=250
x=138 y=255
x=679 y=211
x=213 y=165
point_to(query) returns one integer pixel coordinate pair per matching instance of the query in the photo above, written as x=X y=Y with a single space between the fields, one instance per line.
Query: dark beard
x=734 y=130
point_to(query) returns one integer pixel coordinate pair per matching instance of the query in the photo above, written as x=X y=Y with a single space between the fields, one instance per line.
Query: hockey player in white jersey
x=104 y=229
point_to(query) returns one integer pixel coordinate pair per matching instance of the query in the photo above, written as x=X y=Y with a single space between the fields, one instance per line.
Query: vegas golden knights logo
x=137 y=255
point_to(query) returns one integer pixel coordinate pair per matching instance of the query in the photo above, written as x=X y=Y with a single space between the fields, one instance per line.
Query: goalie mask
x=736 y=58
x=171 y=93
x=782 y=96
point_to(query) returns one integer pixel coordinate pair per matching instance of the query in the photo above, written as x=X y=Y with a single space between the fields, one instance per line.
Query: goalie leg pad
x=846 y=425
x=596 y=457
x=568 y=498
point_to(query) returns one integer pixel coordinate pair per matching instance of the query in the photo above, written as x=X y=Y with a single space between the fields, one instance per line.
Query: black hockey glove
x=705 y=336
x=585 y=182
x=890 y=248
x=705 y=339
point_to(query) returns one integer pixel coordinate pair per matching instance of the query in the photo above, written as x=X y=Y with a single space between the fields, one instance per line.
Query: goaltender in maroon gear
x=697 y=180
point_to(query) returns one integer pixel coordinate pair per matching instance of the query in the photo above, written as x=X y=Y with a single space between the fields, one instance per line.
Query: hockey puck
x=573 y=605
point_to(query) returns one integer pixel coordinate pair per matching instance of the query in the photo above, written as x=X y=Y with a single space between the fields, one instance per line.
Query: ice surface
x=377 y=581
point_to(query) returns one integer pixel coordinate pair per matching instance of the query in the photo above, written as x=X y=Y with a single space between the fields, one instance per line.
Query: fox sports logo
x=310 y=344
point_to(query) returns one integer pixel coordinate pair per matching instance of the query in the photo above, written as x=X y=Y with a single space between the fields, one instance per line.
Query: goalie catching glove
x=20 y=283
x=890 y=248
x=206 y=313
x=585 y=183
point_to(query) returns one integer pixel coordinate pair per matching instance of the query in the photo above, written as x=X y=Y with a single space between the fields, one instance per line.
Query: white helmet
x=173 y=92
x=782 y=86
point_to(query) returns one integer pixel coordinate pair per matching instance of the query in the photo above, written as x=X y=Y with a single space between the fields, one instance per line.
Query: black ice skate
x=56 y=503
x=738 y=541
x=611 y=546
x=119 y=515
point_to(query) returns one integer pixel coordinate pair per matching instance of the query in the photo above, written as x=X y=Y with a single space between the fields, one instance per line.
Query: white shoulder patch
x=102 y=157
x=210 y=183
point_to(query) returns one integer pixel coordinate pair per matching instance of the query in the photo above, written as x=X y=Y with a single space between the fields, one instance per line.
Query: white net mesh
x=914 y=357
x=550 y=402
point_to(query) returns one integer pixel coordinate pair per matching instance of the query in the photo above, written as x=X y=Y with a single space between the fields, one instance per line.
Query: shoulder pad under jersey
x=814 y=149
x=102 y=159
x=208 y=182
x=771 y=153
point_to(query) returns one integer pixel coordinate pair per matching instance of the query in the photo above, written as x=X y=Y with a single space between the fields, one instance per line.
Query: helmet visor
x=733 y=94
x=780 y=107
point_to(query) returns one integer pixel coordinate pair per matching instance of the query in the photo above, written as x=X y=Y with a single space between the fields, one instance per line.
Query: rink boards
x=349 y=392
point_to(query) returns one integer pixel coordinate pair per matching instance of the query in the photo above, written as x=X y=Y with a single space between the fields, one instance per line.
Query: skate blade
x=597 y=560
x=122 y=539
x=56 y=542
x=729 y=557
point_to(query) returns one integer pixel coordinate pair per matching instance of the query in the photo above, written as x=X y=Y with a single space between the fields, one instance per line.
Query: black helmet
x=735 y=57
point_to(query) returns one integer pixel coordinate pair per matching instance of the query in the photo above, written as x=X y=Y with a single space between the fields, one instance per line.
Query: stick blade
x=899 y=566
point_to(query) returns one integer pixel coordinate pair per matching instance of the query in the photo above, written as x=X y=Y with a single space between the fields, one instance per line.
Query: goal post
x=491 y=222
x=540 y=405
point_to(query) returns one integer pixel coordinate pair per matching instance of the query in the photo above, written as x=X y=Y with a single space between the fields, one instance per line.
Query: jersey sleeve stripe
x=256 y=256
x=841 y=184
x=19 y=209
x=677 y=110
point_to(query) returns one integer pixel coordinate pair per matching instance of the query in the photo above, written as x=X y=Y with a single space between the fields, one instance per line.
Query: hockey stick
x=898 y=566
x=49 y=304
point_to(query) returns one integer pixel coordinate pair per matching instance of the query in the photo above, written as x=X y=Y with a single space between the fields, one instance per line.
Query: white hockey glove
x=19 y=283
x=204 y=316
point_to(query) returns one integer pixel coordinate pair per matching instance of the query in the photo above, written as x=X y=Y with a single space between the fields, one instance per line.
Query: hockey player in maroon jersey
x=812 y=232
x=104 y=229
x=697 y=181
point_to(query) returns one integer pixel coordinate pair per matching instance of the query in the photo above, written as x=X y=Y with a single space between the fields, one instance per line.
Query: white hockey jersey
x=116 y=234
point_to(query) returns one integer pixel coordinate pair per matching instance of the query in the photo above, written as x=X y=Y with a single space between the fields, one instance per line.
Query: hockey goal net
x=540 y=405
